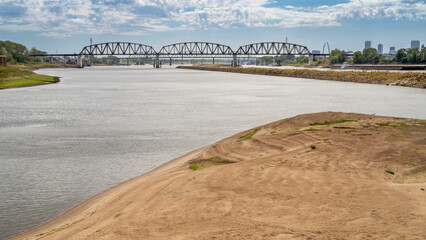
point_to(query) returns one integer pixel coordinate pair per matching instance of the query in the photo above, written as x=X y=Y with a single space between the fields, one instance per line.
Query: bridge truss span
x=273 y=48
x=196 y=49
x=118 y=48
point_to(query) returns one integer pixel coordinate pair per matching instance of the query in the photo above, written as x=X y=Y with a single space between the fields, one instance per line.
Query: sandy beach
x=314 y=176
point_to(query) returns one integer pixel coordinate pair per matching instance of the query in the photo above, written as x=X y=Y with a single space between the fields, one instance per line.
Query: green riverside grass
x=332 y=122
x=247 y=136
x=198 y=164
x=13 y=77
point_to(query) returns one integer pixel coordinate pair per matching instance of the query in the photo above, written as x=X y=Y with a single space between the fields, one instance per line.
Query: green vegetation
x=14 y=77
x=273 y=132
x=17 y=53
x=198 y=164
x=391 y=172
x=313 y=147
x=371 y=56
x=332 y=122
x=411 y=79
x=283 y=59
x=311 y=129
x=337 y=56
x=413 y=55
x=422 y=189
x=248 y=136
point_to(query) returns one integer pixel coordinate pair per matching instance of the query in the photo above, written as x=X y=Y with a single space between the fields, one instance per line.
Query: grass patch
x=273 y=132
x=247 y=136
x=198 y=164
x=14 y=77
x=391 y=172
x=383 y=124
x=422 y=189
x=332 y=122
x=313 y=147
x=311 y=129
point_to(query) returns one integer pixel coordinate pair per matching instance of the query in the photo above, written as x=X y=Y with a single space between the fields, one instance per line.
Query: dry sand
x=286 y=181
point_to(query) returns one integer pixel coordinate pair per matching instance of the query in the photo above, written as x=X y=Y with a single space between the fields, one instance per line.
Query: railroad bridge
x=189 y=50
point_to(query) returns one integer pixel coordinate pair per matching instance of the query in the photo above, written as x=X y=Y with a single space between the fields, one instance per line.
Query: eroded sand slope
x=315 y=176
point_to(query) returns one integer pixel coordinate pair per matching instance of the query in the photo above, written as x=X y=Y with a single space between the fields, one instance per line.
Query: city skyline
x=67 y=26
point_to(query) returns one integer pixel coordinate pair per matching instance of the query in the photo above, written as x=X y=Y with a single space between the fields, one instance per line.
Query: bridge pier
x=80 y=61
x=170 y=61
x=51 y=59
x=311 y=60
x=65 y=60
x=213 y=60
x=234 y=60
x=157 y=61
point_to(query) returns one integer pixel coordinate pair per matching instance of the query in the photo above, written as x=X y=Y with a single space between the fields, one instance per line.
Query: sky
x=66 y=26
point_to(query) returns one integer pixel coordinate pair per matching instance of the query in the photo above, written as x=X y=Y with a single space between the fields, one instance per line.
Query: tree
x=337 y=56
x=371 y=55
x=401 y=56
x=358 y=57
x=284 y=59
x=303 y=59
x=423 y=54
x=413 y=55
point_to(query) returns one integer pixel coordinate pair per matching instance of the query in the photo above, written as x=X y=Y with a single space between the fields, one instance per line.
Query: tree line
x=367 y=56
x=18 y=53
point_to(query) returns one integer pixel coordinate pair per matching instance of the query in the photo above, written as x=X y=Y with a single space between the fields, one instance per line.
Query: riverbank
x=16 y=77
x=320 y=176
x=406 y=79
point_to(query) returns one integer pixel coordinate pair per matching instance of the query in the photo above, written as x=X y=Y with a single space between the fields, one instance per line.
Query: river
x=63 y=143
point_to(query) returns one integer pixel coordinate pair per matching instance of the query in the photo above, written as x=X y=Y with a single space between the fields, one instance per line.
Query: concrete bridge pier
x=311 y=60
x=234 y=60
x=157 y=61
x=51 y=59
x=213 y=60
x=65 y=60
x=80 y=61
x=170 y=61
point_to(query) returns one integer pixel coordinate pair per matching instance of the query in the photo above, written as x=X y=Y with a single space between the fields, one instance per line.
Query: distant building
x=316 y=52
x=367 y=44
x=392 y=50
x=380 y=48
x=415 y=44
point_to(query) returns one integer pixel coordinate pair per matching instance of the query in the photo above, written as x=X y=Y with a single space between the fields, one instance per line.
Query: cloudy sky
x=65 y=26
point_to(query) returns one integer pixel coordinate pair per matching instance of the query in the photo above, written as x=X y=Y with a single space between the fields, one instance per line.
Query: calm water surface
x=61 y=144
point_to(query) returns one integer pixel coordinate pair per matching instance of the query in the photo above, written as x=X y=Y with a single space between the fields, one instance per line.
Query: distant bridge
x=189 y=50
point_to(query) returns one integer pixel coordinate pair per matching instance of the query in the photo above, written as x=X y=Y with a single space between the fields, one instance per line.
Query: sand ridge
x=313 y=176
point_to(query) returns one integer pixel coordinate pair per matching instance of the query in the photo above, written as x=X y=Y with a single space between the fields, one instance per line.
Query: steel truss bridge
x=189 y=50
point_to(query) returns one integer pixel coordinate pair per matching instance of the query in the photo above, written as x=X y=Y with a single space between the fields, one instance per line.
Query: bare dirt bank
x=313 y=176
x=406 y=79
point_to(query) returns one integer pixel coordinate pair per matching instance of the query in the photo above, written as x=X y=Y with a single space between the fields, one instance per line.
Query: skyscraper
x=392 y=50
x=380 y=48
x=367 y=44
x=415 y=44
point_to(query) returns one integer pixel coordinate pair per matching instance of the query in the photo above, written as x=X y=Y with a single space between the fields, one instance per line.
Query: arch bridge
x=190 y=50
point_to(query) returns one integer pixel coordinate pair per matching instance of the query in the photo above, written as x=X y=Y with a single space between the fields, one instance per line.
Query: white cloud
x=139 y=17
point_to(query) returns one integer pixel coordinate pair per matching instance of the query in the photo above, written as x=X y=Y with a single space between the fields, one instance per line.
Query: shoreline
x=12 y=77
x=279 y=179
x=55 y=80
x=405 y=79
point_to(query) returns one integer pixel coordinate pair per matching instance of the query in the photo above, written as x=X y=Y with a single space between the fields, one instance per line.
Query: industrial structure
x=188 y=50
